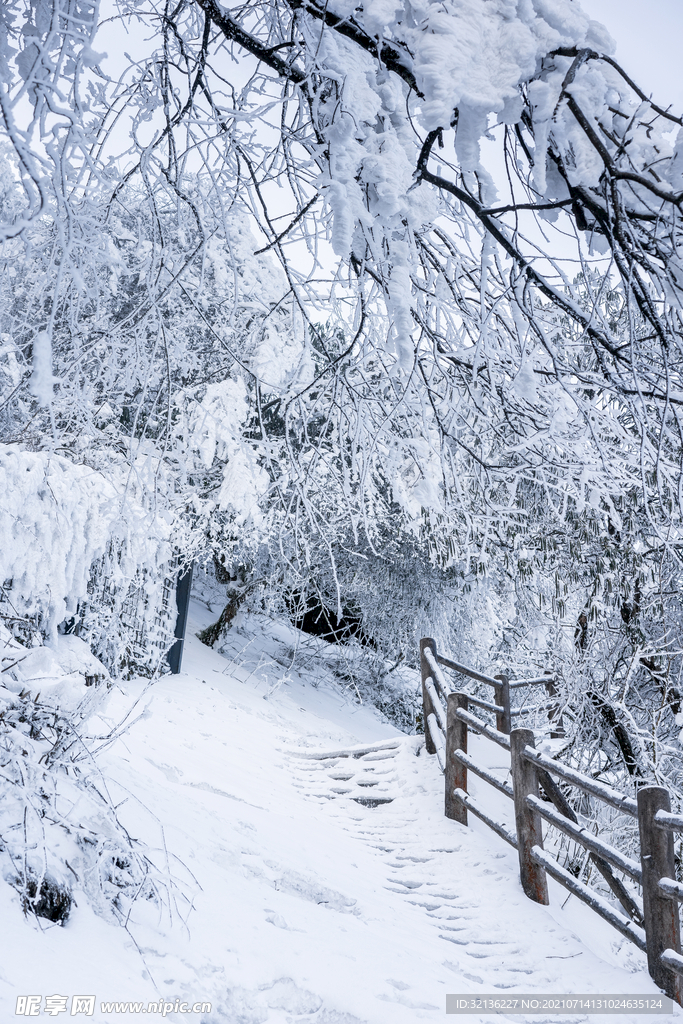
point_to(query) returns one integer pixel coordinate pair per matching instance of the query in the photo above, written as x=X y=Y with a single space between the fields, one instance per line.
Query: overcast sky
x=649 y=37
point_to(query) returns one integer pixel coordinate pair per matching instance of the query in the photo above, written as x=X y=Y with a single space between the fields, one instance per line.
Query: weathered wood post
x=554 y=713
x=528 y=821
x=456 y=773
x=502 y=698
x=182 y=597
x=427 y=706
x=662 y=925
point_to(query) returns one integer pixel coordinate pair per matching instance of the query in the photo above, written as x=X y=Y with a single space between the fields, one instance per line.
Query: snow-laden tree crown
x=345 y=266
x=417 y=143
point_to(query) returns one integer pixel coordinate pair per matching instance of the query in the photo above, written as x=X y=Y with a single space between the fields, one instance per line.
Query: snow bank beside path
x=328 y=890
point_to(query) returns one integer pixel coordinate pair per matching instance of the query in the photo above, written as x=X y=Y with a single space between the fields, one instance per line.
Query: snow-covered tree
x=180 y=222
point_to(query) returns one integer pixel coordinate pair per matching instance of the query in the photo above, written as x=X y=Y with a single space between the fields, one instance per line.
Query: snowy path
x=317 y=890
x=465 y=883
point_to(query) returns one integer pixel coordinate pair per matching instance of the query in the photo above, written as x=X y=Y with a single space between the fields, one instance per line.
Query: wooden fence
x=654 y=927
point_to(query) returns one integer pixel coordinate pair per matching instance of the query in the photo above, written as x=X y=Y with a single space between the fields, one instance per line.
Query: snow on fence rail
x=654 y=927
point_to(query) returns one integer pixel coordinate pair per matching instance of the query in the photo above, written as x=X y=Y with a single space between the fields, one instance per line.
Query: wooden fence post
x=554 y=713
x=528 y=821
x=662 y=925
x=456 y=773
x=502 y=698
x=182 y=597
x=427 y=706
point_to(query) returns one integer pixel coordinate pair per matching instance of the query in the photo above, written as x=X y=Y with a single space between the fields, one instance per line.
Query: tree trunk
x=620 y=734
x=211 y=634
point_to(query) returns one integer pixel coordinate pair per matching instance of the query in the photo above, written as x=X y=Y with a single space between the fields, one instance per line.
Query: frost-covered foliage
x=57 y=822
x=381 y=111
x=55 y=520
x=74 y=545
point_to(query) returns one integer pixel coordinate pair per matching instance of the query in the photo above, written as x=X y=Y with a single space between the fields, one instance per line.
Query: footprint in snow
x=252 y=1006
x=279 y=922
x=285 y=994
x=296 y=885
x=337 y=1017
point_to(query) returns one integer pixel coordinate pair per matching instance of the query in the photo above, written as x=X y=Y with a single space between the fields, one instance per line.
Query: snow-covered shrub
x=55 y=520
x=59 y=829
x=77 y=547
x=129 y=621
x=393 y=689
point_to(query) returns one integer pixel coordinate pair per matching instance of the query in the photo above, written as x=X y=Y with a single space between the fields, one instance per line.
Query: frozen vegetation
x=262 y=879
x=373 y=314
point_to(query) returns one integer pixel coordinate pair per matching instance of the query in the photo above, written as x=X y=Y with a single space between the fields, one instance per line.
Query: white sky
x=649 y=37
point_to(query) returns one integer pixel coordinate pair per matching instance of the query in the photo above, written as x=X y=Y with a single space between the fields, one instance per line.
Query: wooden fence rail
x=654 y=927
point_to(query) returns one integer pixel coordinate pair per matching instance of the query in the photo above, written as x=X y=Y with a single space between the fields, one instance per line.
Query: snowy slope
x=292 y=897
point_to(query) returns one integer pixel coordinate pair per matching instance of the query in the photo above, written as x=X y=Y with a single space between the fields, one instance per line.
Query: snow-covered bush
x=391 y=688
x=77 y=549
x=58 y=827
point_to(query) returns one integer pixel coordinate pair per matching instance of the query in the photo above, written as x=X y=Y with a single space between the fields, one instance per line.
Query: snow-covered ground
x=328 y=890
